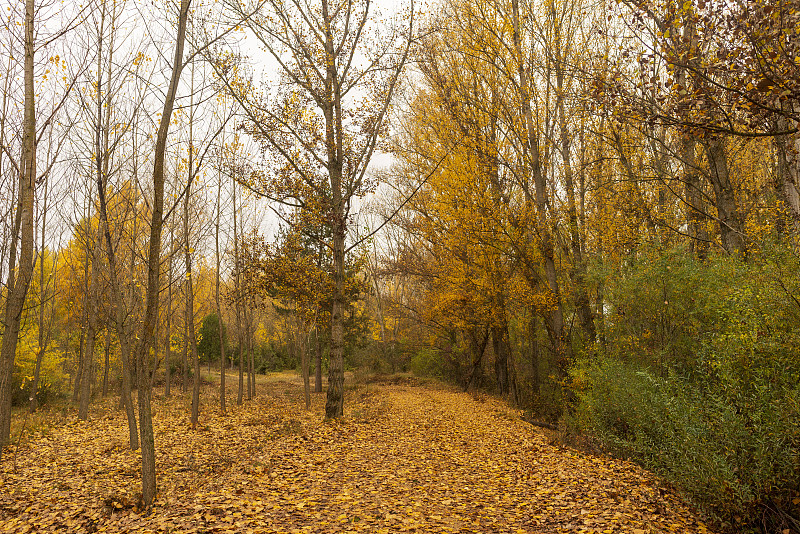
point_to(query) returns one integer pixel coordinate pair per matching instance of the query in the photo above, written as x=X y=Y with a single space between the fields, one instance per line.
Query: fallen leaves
x=404 y=459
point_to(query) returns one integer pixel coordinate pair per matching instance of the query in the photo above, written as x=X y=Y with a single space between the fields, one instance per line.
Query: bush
x=22 y=390
x=426 y=362
x=732 y=455
x=53 y=381
x=711 y=401
x=209 y=347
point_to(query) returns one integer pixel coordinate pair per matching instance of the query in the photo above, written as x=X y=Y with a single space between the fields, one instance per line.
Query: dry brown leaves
x=403 y=459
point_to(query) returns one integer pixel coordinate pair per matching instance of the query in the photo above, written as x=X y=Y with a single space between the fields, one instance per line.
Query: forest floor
x=407 y=457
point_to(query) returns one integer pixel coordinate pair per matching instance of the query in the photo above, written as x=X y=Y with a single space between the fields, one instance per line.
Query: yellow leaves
x=403 y=459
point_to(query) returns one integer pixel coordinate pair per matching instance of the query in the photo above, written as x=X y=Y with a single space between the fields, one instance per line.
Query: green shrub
x=710 y=402
x=21 y=390
x=426 y=362
x=731 y=454
x=53 y=381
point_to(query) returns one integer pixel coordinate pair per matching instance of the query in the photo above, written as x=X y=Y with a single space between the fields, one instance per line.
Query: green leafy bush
x=426 y=362
x=21 y=390
x=711 y=402
x=53 y=381
x=731 y=455
x=209 y=346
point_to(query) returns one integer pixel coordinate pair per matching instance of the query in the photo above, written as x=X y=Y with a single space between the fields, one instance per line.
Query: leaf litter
x=403 y=459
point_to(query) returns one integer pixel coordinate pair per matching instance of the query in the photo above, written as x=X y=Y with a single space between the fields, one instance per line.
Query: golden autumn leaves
x=405 y=458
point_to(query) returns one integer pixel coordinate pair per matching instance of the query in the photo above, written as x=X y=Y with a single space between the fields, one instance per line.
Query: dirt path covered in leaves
x=404 y=458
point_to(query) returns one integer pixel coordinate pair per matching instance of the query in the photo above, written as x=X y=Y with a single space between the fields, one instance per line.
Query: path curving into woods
x=406 y=458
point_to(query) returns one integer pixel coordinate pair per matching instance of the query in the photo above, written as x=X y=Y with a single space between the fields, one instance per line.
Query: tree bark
x=107 y=362
x=19 y=279
x=249 y=393
x=731 y=223
x=101 y=178
x=478 y=349
x=695 y=214
x=168 y=326
x=190 y=341
x=185 y=364
x=332 y=111
x=534 y=354
x=334 y=405
x=251 y=377
x=220 y=324
x=91 y=336
x=787 y=149
x=317 y=362
x=154 y=269
x=502 y=352
x=119 y=318
x=555 y=317
x=239 y=298
x=302 y=347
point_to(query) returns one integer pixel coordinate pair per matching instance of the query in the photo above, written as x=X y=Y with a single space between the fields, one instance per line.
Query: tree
x=212 y=346
x=145 y=337
x=290 y=274
x=324 y=125
x=223 y=364
x=154 y=267
x=103 y=115
x=21 y=250
x=19 y=277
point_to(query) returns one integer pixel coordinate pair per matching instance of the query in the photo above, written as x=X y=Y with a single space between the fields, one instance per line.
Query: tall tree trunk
x=245 y=343
x=478 y=350
x=85 y=301
x=696 y=219
x=695 y=212
x=787 y=148
x=555 y=317
x=185 y=359
x=188 y=260
x=239 y=297
x=190 y=341
x=107 y=362
x=33 y=402
x=45 y=332
x=731 y=223
x=101 y=178
x=334 y=405
x=19 y=279
x=334 y=141
x=240 y=392
x=317 y=341
x=86 y=370
x=317 y=362
x=502 y=352
x=251 y=384
x=578 y=268
x=534 y=354
x=302 y=347
x=154 y=269
x=91 y=336
x=133 y=293
x=168 y=326
x=220 y=324
x=119 y=318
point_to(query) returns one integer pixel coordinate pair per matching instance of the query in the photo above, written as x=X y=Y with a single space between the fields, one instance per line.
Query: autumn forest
x=343 y=266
